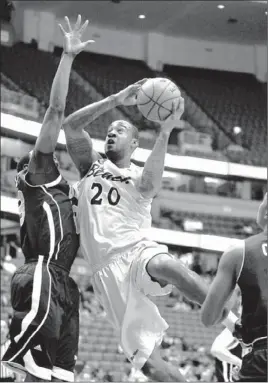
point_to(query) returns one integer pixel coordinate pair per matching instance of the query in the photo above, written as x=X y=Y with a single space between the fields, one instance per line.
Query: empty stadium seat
x=231 y=99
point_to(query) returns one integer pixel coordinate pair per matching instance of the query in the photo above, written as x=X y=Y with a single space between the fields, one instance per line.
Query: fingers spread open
x=83 y=28
x=68 y=23
x=87 y=43
x=78 y=23
x=62 y=29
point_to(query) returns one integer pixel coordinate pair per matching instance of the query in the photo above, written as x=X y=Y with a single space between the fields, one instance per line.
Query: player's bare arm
x=42 y=168
x=79 y=143
x=214 y=308
x=151 y=179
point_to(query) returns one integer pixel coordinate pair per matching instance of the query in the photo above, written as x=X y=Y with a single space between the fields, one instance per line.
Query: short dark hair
x=23 y=161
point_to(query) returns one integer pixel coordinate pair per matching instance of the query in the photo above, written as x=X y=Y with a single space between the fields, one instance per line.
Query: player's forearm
x=84 y=116
x=152 y=174
x=60 y=83
x=211 y=317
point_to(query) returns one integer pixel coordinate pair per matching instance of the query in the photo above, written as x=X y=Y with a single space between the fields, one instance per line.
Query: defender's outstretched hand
x=128 y=96
x=72 y=37
x=177 y=111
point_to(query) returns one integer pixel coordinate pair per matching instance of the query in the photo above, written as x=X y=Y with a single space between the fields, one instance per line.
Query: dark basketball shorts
x=254 y=364
x=44 y=330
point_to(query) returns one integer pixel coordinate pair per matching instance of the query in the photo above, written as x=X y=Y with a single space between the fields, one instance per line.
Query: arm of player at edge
x=48 y=136
x=41 y=161
x=214 y=309
x=79 y=142
x=219 y=348
x=151 y=178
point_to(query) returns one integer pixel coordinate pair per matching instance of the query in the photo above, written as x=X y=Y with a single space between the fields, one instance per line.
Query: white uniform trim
x=255 y=340
x=243 y=261
x=62 y=374
x=48 y=185
x=61 y=227
x=36 y=294
x=51 y=251
x=34 y=369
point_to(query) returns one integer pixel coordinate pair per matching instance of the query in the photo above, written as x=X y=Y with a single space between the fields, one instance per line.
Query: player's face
x=262 y=213
x=119 y=140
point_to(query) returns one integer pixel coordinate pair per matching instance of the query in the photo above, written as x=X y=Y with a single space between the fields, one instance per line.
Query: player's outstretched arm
x=42 y=168
x=151 y=179
x=79 y=143
x=220 y=350
x=213 y=310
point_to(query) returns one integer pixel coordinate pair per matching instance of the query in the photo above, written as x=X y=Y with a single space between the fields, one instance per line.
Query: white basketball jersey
x=112 y=214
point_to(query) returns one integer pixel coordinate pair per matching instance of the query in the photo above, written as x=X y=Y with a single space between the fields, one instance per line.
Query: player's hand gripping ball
x=156 y=98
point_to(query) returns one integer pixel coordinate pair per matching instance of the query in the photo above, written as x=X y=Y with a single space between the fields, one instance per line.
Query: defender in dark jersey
x=45 y=325
x=246 y=266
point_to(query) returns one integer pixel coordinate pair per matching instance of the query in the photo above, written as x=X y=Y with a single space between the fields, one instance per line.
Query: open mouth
x=110 y=141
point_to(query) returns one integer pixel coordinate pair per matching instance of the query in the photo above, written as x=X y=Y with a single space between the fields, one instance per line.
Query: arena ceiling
x=239 y=21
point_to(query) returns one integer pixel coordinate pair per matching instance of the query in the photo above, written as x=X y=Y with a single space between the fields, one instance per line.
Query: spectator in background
x=6 y=374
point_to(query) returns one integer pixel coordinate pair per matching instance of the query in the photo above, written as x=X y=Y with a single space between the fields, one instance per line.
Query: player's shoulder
x=256 y=239
x=233 y=255
x=235 y=248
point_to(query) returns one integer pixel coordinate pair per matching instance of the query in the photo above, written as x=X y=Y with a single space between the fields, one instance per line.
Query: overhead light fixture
x=237 y=130
x=142 y=17
x=266 y=12
x=221 y=6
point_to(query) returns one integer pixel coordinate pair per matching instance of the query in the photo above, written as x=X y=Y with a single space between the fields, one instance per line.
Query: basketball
x=155 y=98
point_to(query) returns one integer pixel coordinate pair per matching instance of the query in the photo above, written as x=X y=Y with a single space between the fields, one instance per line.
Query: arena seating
x=7 y=83
x=29 y=80
x=212 y=224
x=231 y=99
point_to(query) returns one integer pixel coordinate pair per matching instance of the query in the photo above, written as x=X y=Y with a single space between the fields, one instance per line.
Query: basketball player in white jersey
x=113 y=214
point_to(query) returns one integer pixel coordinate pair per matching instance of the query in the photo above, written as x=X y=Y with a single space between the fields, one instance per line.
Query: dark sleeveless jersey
x=254 y=288
x=47 y=221
x=224 y=370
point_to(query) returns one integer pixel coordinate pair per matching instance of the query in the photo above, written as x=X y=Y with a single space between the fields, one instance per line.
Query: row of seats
x=231 y=99
x=36 y=80
x=211 y=224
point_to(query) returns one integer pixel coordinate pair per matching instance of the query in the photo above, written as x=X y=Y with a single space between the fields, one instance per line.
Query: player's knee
x=158 y=267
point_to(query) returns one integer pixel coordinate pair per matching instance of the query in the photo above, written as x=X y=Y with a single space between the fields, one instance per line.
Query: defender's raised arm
x=42 y=168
